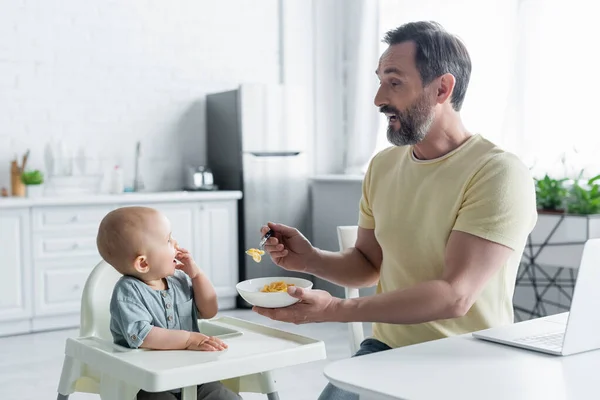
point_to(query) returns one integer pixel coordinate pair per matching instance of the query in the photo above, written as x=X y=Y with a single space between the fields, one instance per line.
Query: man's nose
x=380 y=97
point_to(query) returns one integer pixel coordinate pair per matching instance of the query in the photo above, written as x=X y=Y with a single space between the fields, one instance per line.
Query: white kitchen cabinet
x=69 y=218
x=181 y=216
x=58 y=285
x=15 y=270
x=46 y=258
x=218 y=248
x=57 y=246
x=64 y=251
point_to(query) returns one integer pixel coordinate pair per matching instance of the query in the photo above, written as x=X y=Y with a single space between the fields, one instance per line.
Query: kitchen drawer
x=64 y=285
x=48 y=246
x=72 y=218
x=58 y=290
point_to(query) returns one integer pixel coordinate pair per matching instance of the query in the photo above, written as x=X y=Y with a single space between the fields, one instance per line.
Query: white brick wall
x=104 y=74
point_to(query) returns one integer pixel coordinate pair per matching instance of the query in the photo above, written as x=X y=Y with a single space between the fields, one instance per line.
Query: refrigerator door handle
x=275 y=153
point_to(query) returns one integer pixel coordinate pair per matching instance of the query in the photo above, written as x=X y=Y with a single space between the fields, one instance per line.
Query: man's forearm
x=424 y=302
x=349 y=268
x=205 y=296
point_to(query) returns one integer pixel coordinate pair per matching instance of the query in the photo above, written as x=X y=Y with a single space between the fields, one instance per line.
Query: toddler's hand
x=188 y=265
x=200 y=342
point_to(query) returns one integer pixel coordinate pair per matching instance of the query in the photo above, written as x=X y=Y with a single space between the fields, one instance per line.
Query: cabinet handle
x=75 y=218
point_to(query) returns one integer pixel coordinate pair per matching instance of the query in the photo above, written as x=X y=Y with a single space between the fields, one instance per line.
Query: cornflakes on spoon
x=256 y=254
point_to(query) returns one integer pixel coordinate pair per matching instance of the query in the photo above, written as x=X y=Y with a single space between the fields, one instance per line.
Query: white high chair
x=78 y=376
x=346 y=239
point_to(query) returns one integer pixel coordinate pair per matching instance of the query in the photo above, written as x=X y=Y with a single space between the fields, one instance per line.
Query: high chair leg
x=189 y=393
x=268 y=382
x=71 y=371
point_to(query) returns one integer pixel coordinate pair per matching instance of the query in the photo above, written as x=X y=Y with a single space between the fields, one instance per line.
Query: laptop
x=567 y=333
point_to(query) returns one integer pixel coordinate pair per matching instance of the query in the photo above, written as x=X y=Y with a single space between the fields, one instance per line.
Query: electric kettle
x=199 y=178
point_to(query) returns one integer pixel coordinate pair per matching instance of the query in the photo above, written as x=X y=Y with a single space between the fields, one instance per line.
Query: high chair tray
x=253 y=348
x=209 y=328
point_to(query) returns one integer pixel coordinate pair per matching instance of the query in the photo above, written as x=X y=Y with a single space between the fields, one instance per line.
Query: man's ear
x=141 y=264
x=445 y=88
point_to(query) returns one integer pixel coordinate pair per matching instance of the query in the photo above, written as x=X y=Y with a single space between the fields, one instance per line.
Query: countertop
x=337 y=178
x=125 y=198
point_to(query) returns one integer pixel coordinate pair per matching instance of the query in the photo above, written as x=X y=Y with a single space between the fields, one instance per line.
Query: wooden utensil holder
x=17 y=186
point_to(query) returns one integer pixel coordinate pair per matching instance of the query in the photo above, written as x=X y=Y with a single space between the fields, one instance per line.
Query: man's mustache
x=388 y=110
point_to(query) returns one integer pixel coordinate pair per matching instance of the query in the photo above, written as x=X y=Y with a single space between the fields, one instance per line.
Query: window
x=532 y=88
x=560 y=86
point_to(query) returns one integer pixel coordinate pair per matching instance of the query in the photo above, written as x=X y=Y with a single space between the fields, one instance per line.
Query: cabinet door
x=58 y=285
x=218 y=243
x=181 y=216
x=15 y=302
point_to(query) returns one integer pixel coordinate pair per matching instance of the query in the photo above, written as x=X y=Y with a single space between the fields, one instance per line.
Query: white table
x=258 y=349
x=466 y=368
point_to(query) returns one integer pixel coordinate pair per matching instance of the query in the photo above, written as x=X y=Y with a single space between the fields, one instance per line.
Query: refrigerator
x=257 y=137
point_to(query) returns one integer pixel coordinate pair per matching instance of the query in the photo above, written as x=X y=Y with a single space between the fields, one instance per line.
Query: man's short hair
x=438 y=52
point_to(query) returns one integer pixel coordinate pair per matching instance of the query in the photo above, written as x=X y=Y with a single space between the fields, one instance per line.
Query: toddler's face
x=162 y=248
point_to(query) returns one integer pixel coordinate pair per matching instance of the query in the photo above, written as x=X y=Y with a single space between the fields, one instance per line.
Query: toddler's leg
x=216 y=391
x=142 y=395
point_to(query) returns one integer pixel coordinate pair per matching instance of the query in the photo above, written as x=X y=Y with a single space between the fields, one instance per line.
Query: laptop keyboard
x=552 y=341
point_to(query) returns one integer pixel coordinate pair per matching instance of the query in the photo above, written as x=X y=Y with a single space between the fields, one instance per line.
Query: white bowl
x=250 y=291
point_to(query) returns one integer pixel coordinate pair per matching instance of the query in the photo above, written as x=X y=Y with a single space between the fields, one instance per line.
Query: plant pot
x=557 y=240
x=551 y=212
x=550 y=262
x=35 y=191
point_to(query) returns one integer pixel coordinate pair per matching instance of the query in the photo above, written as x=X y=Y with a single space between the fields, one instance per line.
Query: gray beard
x=414 y=125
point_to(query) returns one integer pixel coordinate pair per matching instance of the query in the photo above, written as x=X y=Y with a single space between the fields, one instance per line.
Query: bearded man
x=443 y=219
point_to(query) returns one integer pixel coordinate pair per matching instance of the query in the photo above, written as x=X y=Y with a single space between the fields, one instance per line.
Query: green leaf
x=550 y=193
x=594 y=179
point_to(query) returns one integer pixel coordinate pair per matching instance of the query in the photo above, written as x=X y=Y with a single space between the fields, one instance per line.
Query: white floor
x=30 y=365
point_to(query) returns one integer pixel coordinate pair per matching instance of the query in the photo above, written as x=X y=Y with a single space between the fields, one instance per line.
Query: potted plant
x=34 y=181
x=550 y=195
x=568 y=215
x=584 y=199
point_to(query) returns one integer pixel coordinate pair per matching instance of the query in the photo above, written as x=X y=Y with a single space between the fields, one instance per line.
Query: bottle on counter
x=117 y=183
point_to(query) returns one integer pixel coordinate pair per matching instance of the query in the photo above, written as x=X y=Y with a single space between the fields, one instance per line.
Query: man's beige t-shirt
x=414 y=205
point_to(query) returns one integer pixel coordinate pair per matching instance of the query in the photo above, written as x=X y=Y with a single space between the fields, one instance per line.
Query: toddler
x=157 y=301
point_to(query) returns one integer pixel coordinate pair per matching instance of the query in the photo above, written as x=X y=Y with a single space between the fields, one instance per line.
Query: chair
x=95 y=322
x=346 y=239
